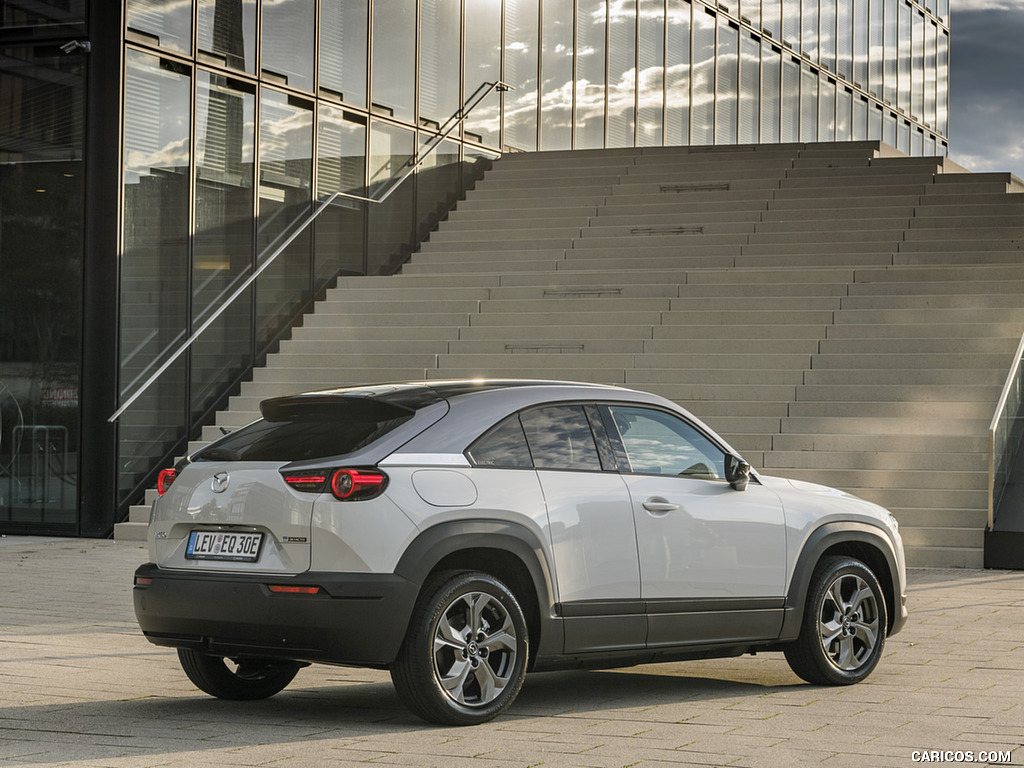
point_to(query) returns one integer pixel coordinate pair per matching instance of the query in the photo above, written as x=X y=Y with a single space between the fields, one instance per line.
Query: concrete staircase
x=839 y=313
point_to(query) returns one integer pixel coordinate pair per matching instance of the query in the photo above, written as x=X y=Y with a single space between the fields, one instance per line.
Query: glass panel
x=875 y=124
x=751 y=11
x=903 y=137
x=844 y=38
x=440 y=25
x=889 y=129
x=727 y=88
x=341 y=167
x=891 y=36
x=651 y=78
x=285 y=191
x=390 y=233
x=556 y=64
x=771 y=90
x=504 y=445
x=394 y=64
x=876 y=49
x=223 y=239
x=20 y=14
x=917 y=67
x=521 y=33
x=809 y=106
x=771 y=17
x=590 y=73
x=661 y=444
x=860 y=43
x=903 y=98
x=929 y=146
x=827 y=33
x=930 y=66
x=288 y=41
x=942 y=85
x=790 y=99
x=844 y=111
x=437 y=184
x=168 y=24
x=826 y=109
x=677 y=74
x=750 y=88
x=41 y=191
x=859 y=129
x=155 y=263
x=622 y=74
x=343 y=48
x=227 y=29
x=809 y=32
x=483 y=64
x=791 y=23
x=943 y=10
x=916 y=143
x=703 y=129
x=560 y=438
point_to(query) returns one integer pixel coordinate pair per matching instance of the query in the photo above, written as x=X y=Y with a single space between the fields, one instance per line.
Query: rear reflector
x=143 y=581
x=164 y=480
x=287 y=590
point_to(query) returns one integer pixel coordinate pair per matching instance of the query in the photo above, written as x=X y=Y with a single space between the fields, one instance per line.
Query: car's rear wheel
x=239 y=680
x=464 y=658
x=844 y=624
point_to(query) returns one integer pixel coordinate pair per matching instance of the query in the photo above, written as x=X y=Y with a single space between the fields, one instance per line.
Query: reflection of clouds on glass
x=286 y=137
x=170 y=157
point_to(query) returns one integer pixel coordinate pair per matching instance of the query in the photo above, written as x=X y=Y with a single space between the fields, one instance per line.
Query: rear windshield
x=309 y=430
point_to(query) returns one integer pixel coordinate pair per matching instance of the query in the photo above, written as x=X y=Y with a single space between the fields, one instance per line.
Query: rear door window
x=559 y=437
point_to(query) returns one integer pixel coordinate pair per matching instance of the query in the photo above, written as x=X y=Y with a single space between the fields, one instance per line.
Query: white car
x=463 y=533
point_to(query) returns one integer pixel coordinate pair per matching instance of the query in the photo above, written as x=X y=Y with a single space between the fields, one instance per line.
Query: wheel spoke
x=829 y=630
x=867 y=633
x=491 y=685
x=478 y=604
x=454 y=680
x=447 y=635
x=835 y=593
x=845 y=659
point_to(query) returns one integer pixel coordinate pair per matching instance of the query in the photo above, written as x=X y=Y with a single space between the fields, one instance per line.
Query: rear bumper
x=358 y=619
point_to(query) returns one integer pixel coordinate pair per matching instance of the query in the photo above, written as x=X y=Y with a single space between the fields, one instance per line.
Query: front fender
x=857 y=540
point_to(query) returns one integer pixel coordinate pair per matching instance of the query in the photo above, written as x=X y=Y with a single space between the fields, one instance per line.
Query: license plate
x=218 y=545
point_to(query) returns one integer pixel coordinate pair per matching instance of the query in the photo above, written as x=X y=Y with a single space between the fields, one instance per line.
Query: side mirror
x=737 y=472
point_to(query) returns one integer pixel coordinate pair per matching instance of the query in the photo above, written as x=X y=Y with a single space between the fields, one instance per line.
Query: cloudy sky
x=986 y=90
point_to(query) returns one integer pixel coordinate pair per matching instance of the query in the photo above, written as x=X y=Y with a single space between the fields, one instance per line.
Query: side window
x=660 y=443
x=560 y=438
x=503 y=445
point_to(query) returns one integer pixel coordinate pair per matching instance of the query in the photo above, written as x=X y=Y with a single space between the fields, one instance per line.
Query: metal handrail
x=1012 y=381
x=414 y=162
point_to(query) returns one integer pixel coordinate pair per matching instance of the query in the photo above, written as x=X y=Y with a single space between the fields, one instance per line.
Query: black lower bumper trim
x=358 y=619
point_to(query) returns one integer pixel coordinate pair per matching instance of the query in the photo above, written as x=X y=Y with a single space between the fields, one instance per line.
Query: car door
x=712 y=559
x=591 y=530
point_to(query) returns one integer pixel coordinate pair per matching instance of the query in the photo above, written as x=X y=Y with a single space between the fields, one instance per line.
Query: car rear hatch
x=235 y=505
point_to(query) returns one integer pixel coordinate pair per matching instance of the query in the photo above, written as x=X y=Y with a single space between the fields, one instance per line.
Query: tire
x=844 y=624
x=464 y=657
x=245 y=680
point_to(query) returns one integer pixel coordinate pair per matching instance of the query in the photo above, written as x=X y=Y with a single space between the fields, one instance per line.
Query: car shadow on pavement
x=350 y=712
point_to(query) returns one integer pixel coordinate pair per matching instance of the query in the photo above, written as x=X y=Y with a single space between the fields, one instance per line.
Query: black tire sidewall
x=810 y=640
x=415 y=674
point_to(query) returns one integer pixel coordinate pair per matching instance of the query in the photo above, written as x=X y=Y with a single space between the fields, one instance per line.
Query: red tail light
x=357 y=484
x=164 y=480
x=306 y=483
x=290 y=590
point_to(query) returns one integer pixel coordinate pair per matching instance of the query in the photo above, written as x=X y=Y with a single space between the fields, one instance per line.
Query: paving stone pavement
x=79 y=686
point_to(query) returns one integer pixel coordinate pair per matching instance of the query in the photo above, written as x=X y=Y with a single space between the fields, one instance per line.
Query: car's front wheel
x=241 y=680
x=464 y=658
x=844 y=624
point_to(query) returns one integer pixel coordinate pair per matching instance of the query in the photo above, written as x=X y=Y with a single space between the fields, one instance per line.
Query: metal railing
x=1005 y=432
x=277 y=247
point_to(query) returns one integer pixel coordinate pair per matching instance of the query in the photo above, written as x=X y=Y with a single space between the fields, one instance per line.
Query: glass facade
x=237 y=119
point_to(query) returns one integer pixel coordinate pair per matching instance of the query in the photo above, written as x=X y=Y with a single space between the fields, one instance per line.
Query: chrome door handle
x=658 y=504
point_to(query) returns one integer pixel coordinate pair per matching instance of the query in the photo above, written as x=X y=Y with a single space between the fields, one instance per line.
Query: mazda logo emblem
x=219 y=484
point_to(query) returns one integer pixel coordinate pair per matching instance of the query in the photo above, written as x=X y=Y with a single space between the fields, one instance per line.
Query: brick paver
x=79 y=686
